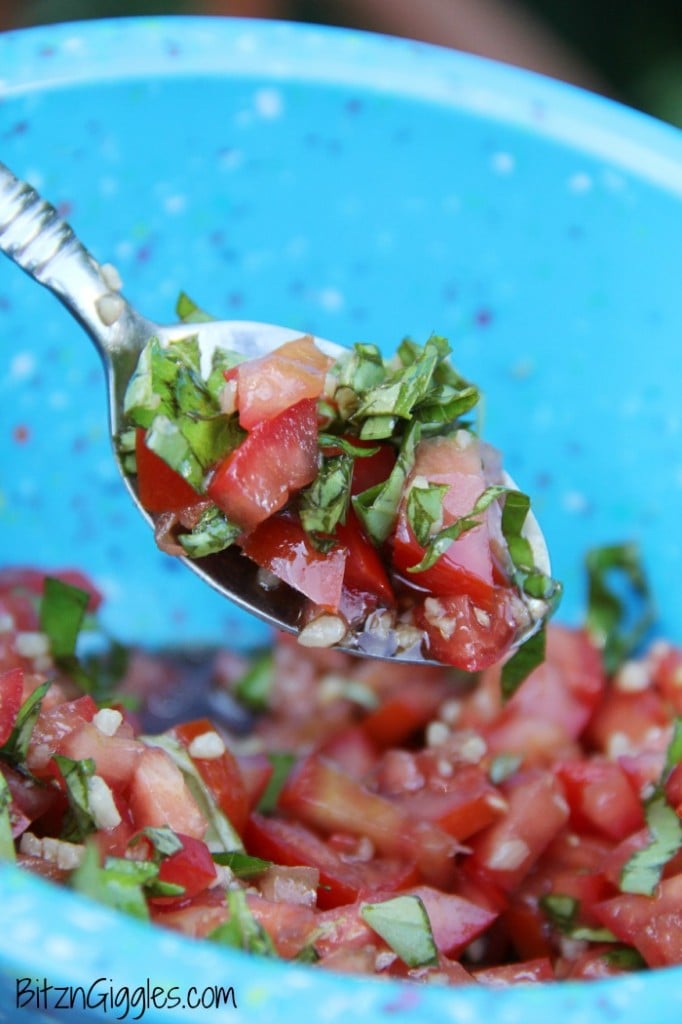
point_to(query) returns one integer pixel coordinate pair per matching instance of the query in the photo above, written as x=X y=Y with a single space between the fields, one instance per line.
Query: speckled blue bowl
x=362 y=188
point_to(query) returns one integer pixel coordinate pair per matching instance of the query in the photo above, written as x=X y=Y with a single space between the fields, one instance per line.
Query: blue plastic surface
x=362 y=188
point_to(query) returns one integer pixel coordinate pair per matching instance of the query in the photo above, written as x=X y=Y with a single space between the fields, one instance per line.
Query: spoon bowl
x=35 y=237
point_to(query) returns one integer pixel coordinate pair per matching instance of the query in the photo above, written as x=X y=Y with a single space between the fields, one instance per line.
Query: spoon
x=37 y=239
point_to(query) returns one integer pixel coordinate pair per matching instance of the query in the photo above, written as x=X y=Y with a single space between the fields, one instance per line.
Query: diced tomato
x=11 y=696
x=466 y=567
x=455 y=921
x=160 y=488
x=53 y=727
x=364 y=570
x=341 y=881
x=507 y=850
x=256 y=771
x=20 y=581
x=221 y=774
x=281 y=546
x=600 y=797
x=115 y=756
x=159 y=796
x=196 y=917
x=627 y=717
x=466 y=635
x=523 y=973
x=649 y=923
x=352 y=750
x=668 y=676
x=291 y=373
x=596 y=962
x=462 y=805
x=370 y=470
x=289 y=925
x=399 y=715
x=30 y=799
x=324 y=796
x=278 y=457
x=191 y=867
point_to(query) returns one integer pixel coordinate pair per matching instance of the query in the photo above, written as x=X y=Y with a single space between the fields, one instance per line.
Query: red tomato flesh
x=267 y=386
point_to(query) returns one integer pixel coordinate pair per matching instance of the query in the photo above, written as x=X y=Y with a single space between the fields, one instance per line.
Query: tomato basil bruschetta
x=359 y=483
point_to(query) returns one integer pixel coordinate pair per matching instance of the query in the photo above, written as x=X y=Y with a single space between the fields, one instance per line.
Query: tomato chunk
x=159 y=796
x=222 y=773
x=11 y=694
x=191 y=867
x=266 y=386
x=278 y=457
x=159 y=487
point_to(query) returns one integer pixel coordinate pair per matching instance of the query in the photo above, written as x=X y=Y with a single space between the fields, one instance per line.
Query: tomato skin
x=221 y=774
x=341 y=881
x=465 y=635
x=649 y=923
x=293 y=372
x=364 y=570
x=159 y=796
x=321 y=794
x=11 y=695
x=278 y=457
x=281 y=546
x=159 y=487
x=191 y=867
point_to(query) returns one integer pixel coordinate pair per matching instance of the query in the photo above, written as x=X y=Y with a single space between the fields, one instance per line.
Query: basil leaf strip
x=7 y=851
x=16 y=747
x=242 y=930
x=62 y=611
x=78 y=821
x=377 y=508
x=242 y=865
x=253 y=689
x=442 y=540
x=425 y=510
x=620 y=605
x=642 y=872
x=212 y=533
x=563 y=912
x=403 y=923
x=324 y=503
x=525 y=658
x=118 y=883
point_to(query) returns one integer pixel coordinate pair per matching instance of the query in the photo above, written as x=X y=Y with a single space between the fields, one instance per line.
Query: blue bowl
x=362 y=188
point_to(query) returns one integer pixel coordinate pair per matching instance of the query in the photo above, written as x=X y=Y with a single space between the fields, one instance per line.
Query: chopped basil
x=221 y=834
x=242 y=865
x=188 y=312
x=15 y=748
x=642 y=872
x=403 y=923
x=441 y=541
x=362 y=370
x=398 y=394
x=78 y=820
x=164 y=840
x=377 y=508
x=525 y=658
x=242 y=930
x=7 y=851
x=254 y=688
x=212 y=533
x=620 y=606
x=563 y=911
x=324 y=503
x=282 y=763
x=62 y=612
x=118 y=883
x=425 y=510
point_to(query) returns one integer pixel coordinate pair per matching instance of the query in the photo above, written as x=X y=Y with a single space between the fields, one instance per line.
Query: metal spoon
x=37 y=239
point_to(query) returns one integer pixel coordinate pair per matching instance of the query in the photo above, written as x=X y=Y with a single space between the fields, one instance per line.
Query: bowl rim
x=57 y=924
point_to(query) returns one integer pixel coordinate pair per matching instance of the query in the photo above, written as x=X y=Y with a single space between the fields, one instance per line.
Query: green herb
x=78 y=821
x=522 y=662
x=15 y=748
x=377 y=507
x=620 y=606
x=7 y=851
x=425 y=510
x=188 y=312
x=118 y=883
x=242 y=930
x=441 y=541
x=324 y=503
x=642 y=872
x=362 y=370
x=164 y=840
x=282 y=763
x=403 y=923
x=397 y=395
x=62 y=612
x=564 y=911
x=220 y=834
x=255 y=686
x=242 y=865
x=212 y=533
